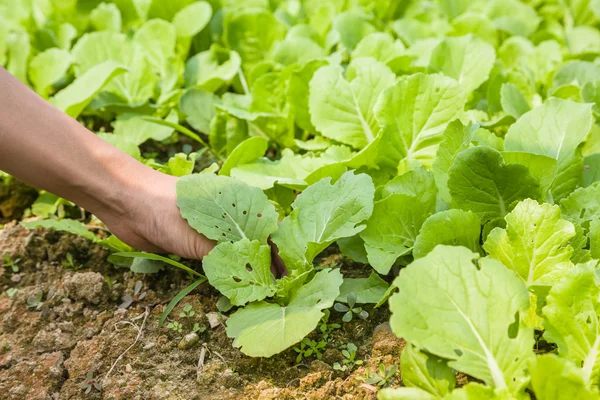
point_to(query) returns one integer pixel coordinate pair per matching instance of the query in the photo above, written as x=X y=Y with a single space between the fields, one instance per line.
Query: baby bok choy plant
x=274 y=314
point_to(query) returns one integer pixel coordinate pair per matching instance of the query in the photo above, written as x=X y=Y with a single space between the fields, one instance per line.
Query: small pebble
x=128 y=368
x=188 y=341
x=148 y=346
x=214 y=319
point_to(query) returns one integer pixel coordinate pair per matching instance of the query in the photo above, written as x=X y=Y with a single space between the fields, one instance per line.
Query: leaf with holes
x=468 y=315
x=240 y=270
x=225 y=209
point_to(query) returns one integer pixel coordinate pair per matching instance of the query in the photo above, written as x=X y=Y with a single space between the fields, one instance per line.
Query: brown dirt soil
x=47 y=350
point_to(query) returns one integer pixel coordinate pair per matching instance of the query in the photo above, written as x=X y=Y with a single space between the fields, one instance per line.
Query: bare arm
x=45 y=148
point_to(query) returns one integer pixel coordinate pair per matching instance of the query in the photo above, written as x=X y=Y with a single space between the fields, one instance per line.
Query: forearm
x=44 y=147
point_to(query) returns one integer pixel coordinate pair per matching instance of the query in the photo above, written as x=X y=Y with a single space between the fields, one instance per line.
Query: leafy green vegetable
x=225 y=209
x=470 y=328
x=481 y=182
x=283 y=325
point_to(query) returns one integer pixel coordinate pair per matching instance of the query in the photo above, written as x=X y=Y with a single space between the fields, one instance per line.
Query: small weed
x=349 y=361
x=10 y=292
x=350 y=310
x=325 y=327
x=175 y=326
x=5 y=347
x=35 y=301
x=9 y=262
x=90 y=383
x=308 y=347
x=137 y=296
x=382 y=377
x=69 y=262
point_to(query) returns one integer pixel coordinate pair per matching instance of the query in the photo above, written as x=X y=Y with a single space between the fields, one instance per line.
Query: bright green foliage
x=469 y=327
x=413 y=114
x=481 y=182
x=386 y=129
x=451 y=227
x=224 y=209
x=322 y=214
x=74 y=98
x=554 y=378
x=343 y=109
x=535 y=243
x=571 y=320
x=426 y=372
x=241 y=271
x=287 y=325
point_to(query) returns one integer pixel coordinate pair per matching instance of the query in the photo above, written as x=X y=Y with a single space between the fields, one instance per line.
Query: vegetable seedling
x=349 y=310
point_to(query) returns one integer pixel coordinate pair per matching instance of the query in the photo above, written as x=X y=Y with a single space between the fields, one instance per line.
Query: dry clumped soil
x=76 y=337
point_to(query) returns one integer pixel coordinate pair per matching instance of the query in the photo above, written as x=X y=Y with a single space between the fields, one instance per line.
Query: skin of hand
x=43 y=147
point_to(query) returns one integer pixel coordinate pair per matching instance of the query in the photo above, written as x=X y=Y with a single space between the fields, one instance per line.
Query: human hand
x=148 y=218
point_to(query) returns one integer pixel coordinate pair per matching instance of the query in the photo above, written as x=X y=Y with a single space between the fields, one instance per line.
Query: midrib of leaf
x=239 y=228
x=496 y=372
x=366 y=128
x=590 y=359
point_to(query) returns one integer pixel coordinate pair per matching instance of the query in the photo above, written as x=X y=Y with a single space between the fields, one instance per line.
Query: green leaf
x=380 y=46
x=240 y=270
x=167 y=9
x=291 y=170
x=248 y=151
x=426 y=372
x=542 y=168
x=263 y=329
x=470 y=328
x=366 y=290
x=554 y=378
x=323 y=213
x=199 y=107
x=351 y=27
x=75 y=97
x=173 y=303
x=296 y=50
x=342 y=109
x=225 y=209
x=513 y=17
x=479 y=181
x=47 y=68
x=134 y=87
x=535 y=243
x=571 y=320
x=468 y=59
x=393 y=228
x=65 y=225
x=212 y=69
x=450 y=227
x=554 y=129
x=298 y=94
x=583 y=204
x=513 y=101
x=456 y=138
x=414 y=113
x=157 y=37
x=190 y=20
x=143 y=265
x=106 y=17
x=155 y=257
x=251 y=32
x=136 y=129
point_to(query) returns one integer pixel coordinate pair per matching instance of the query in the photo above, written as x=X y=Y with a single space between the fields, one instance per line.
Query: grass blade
x=150 y=256
x=177 y=299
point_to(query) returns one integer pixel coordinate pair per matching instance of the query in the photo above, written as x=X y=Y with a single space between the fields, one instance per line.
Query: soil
x=77 y=338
